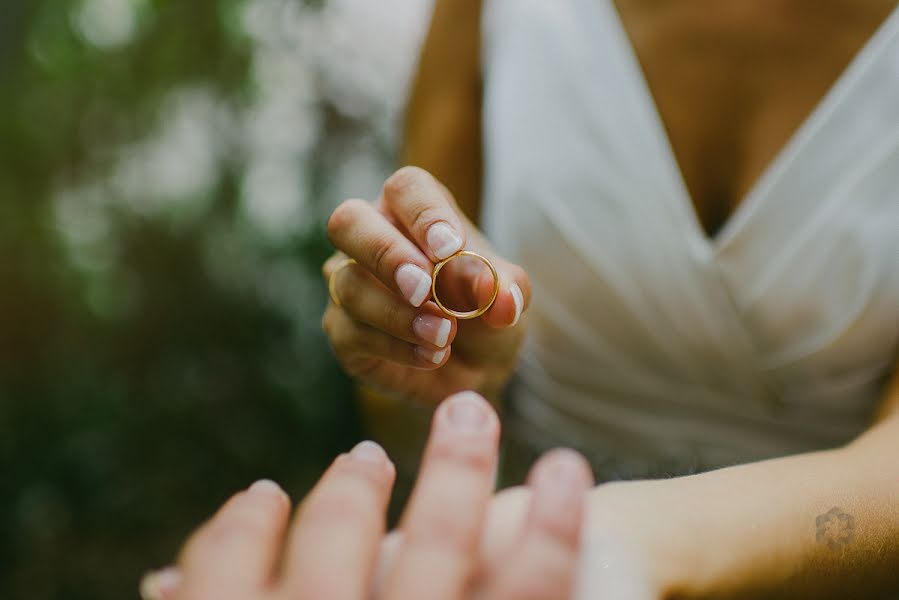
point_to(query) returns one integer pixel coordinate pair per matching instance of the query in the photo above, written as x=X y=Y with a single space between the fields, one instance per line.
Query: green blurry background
x=166 y=169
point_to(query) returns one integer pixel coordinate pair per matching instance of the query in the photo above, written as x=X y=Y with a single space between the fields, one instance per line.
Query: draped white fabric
x=650 y=344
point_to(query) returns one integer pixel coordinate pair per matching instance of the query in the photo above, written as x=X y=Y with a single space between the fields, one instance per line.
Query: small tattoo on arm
x=836 y=528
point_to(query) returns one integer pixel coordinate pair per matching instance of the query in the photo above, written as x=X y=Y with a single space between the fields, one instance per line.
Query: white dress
x=652 y=348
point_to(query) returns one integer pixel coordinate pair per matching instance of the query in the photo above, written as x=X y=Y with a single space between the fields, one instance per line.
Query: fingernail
x=564 y=473
x=443 y=240
x=433 y=356
x=432 y=329
x=160 y=585
x=468 y=413
x=368 y=451
x=414 y=283
x=518 y=299
x=265 y=487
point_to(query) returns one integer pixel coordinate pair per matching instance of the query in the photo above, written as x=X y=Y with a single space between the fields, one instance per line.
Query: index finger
x=424 y=208
x=442 y=530
x=234 y=555
x=334 y=539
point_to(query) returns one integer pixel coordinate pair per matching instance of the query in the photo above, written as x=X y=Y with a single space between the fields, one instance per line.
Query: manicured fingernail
x=265 y=487
x=443 y=240
x=468 y=413
x=518 y=298
x=414 y=283
x=432 y=329
x=432 y=356
x=160 y=585
x=368 y=451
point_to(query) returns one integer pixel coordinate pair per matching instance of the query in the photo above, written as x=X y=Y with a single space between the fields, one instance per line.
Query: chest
x=732 y=81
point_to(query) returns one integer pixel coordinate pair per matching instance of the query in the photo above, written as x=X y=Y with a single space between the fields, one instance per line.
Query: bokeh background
x=166 y=170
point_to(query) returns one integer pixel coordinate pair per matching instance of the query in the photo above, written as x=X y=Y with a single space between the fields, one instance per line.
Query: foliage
x=165 y=170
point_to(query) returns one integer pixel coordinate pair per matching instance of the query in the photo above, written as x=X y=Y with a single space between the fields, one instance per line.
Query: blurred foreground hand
x=335 y=546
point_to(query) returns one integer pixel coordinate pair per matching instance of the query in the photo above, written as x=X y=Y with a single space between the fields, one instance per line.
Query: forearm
x=818 y=525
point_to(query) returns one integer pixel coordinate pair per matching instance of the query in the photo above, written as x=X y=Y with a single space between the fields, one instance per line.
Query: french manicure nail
x=432 y=356
x=467 y=413
x=368 y=451
x=518 y=299
x=432 y=329
x=160 y=585
x=414 y=283
x=443 y=240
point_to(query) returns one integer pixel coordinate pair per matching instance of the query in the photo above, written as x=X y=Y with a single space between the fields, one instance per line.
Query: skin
x=252 y=550
x=816 y=525
x=750 y=530
x=729 y=111
x=371 y=331
x=727 y=114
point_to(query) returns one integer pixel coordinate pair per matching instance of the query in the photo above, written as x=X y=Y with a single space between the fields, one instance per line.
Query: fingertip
x=267 y=488
x=368 y=452
x=160 y=585
x=366 y=460
x=507 y=309
x=562 y=468
x=513 y=298
x=432 y=358
x=467 y=411
x=560 y=480
x=518 y=301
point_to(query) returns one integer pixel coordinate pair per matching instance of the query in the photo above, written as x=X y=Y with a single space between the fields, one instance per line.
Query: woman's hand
x=249 y=551
x=385 y=332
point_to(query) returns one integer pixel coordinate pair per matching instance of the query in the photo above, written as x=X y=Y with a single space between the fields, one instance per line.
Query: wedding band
x=471 y=314
x=331 y=278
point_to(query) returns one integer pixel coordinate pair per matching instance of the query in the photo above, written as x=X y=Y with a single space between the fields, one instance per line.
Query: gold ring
x=331 y=291
x=471 y=314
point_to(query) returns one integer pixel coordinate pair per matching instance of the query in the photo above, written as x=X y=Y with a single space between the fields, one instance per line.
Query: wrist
x=639 y=520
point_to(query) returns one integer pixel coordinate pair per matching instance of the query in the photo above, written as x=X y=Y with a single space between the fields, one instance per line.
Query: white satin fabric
x=652 y=347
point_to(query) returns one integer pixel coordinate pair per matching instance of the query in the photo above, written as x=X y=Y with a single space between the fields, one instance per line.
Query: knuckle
x=253 y=522
x=417 y=185
x=396 y=320
x=337 y=508
x=343 y=219
x=422 y=215
x=335 y=328
x=404 y=179
x=341 y=337
x=476 y=458
x=446 y=530
x=348 y=289
x=382 y=260
x=349 y=510
x=360 y=367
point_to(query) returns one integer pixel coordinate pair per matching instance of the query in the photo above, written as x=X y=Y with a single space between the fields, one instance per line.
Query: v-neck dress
x=652 y=348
